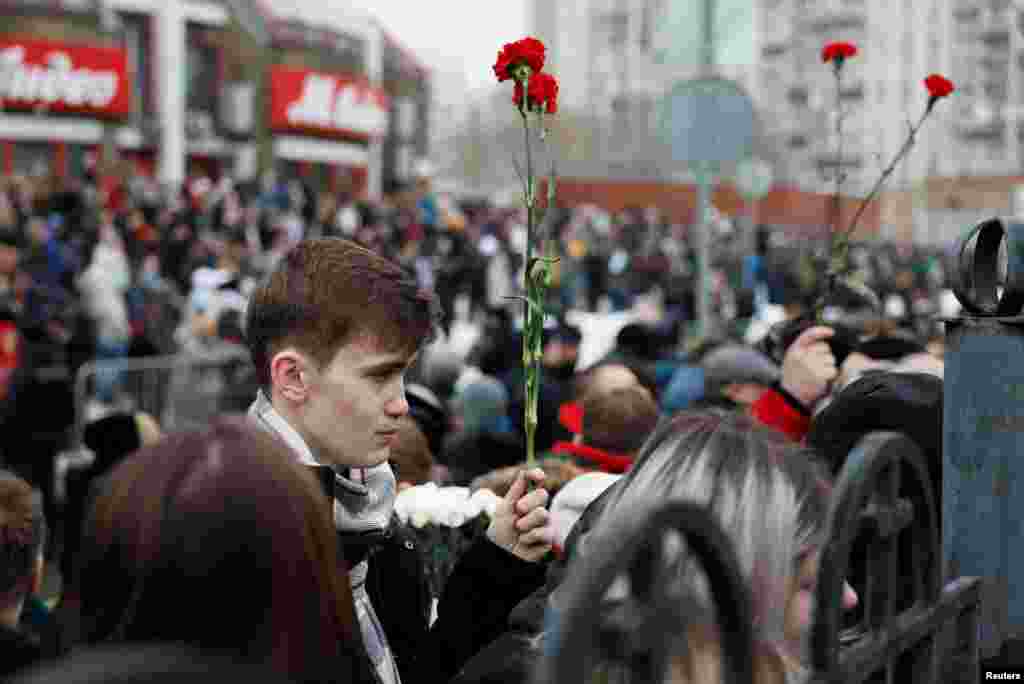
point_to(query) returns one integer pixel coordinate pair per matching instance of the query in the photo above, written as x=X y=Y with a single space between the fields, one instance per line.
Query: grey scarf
x=363 y=497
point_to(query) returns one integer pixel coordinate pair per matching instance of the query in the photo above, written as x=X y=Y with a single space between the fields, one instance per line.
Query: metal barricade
x=179 y=390
x=912 y=627
x=635 y=639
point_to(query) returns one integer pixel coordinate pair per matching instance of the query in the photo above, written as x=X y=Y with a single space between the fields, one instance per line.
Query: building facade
x=987 y=46
x=408 y=87
x=616 y=57
x=173 y=87
x=881 y=90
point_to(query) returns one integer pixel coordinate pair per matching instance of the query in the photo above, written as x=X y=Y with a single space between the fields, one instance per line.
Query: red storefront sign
x=43 y=75
x=327 y=105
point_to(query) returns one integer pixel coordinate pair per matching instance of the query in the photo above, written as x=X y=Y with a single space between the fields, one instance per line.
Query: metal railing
x=179 y=390
x=636 y=641
x=910 y=626
x=883 y=538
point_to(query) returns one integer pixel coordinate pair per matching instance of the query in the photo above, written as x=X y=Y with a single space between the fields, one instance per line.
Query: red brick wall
x=782 y=206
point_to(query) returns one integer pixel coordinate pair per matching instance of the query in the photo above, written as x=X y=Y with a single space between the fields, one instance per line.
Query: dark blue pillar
x=983 y=428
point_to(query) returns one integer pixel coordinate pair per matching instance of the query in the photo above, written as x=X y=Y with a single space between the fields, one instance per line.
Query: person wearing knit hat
x=429 y=414
x=440 y=370
x=736 y=376
x=485 y=439
x=482 y=406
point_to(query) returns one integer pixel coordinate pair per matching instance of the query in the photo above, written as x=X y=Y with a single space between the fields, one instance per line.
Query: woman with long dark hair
x=218 y=539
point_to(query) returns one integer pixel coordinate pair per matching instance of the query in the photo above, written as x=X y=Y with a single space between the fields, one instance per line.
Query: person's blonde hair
x=701 y=660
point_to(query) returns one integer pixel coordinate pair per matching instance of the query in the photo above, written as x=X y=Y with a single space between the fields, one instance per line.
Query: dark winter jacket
x=511 y=657
x=486 y=584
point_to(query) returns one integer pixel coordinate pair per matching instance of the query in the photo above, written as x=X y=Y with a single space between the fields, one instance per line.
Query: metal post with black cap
x=983 y=429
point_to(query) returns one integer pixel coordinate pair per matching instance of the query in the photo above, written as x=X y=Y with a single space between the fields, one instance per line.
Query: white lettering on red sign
x=55 y=82
x=323 y=103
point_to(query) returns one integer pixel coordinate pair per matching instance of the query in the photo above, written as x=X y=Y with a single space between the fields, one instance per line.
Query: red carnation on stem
x=522 y=62
x=938 y=87
x=529 y=51
x=838 y=52
x=542 y=89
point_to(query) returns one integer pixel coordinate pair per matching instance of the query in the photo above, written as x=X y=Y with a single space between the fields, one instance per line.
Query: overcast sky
x=452 y=35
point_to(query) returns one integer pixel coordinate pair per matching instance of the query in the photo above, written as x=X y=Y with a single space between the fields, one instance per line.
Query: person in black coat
x=111 y=439
x=511 y=657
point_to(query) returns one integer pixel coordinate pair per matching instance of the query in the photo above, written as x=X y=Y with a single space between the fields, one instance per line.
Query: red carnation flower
x=938 y=86
x=528 y=51
x=838 y=52
x=542 y=89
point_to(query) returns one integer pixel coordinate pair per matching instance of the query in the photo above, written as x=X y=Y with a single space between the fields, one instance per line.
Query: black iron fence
x=637 y=640
x=910 y=627
x=884 y=539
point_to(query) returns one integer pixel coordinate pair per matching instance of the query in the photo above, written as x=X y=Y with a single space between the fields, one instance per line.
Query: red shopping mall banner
x=38 y=75
x=326 y=105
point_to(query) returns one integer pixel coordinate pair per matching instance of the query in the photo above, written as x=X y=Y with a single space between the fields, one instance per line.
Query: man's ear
x=290 y=372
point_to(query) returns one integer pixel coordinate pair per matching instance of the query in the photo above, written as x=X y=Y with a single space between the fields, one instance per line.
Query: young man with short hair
x=332 y=332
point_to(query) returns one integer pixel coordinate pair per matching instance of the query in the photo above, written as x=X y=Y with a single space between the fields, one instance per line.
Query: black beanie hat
x=910 y=403
x=890 y=347
x=112 y=438
x=429 y=415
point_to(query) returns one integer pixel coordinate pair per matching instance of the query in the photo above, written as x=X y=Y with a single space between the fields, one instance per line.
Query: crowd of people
x=266 y=544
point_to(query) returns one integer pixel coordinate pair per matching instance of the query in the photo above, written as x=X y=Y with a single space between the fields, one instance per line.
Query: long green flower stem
x=843 y=240
x=836 y=206
x=537 y=278
x=839 y=243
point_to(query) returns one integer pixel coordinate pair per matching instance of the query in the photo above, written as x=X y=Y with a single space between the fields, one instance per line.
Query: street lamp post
x=754 y=178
